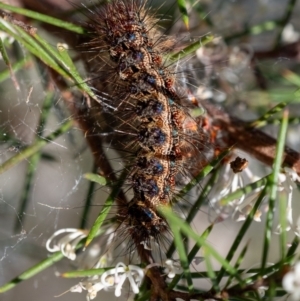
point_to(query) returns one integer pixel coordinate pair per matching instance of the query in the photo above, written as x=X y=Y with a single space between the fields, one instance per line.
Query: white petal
x=133 y=285
x=91 y=296
x=137 y=269
x=120 y=268
x=262 y=291
x=281 y=177
x=288 y=282
x=56 y=233
x=96 y=287
x=171 y=274
x=293 y=175
x=170 y=269
x=119 y=285
x=68 y=252
x=65 y=240
x=241 y=217
x=76 y=288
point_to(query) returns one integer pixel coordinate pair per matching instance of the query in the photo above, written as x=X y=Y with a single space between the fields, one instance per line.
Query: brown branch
x=84 y=116
x=10 y=18
x=253 y=141
x=290 y=51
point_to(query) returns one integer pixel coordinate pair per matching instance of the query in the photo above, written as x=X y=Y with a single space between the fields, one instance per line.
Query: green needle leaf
x=35 y=147
x=44 y=18
x=184 y=13
x=32 y=271
x=273 y=188
x=95 y=178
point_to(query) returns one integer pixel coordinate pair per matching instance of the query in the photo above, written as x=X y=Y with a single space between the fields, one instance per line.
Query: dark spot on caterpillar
x=140 y=86
x=138 y=56
x=149 y=108
x=151 y=80
x=122 y=66
x=144 y=222
x=149 y=137
x=150 y=49
x=131 y=63
x=132 y=89
x=143 y=185
x=172 y=160
x=150 y=166
x=131 y=36
x=144 y=213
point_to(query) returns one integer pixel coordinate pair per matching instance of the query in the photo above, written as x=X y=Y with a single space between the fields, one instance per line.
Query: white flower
x=67 y=244
x=289 y=34
x=77 y=288
x=291 y=282
x=239 y=208
x=102 y=251
x=92 y=286
x=111 y=279
x=287 y=180
x=170 y=268
x=134 y=274
x=262 y=291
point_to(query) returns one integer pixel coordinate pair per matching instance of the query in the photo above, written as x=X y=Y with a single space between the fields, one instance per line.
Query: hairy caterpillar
x=129 y=67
